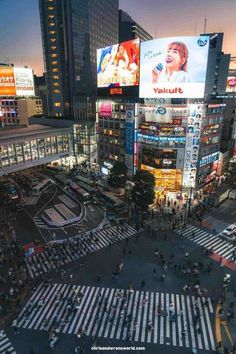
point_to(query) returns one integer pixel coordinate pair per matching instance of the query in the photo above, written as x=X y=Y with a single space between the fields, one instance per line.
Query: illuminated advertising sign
x=165 y=180
x=105 y=109
x=231 y=84
x=161 y=130
x=195 y=114
x=129 y=140
x=163 y=114
x=209 y=159
x=162 y=138
x=174 y=67
x=16 y=81
x=24 y=81
x=118 y=65
x=159 y=158
x=7 y=81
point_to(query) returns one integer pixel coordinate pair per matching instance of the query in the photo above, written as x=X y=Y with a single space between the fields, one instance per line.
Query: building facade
x=130 y=29
x=217 y=67
x=72 y=30
x=16 y=111
x=22 y=148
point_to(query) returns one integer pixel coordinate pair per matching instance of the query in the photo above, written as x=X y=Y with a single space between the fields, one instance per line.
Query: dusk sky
x=21 y=38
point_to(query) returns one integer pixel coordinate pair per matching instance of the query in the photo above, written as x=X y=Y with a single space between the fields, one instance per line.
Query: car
x=232 y=194
x=230 y=231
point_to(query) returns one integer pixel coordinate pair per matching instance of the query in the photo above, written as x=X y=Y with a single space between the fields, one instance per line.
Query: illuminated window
x=55 y=70
x=53 y=47
x=54 y=62
x=52 y=39
x=57 y=104
x=51 y=16
x=56 y=91
x=56 y=84
x=51 y=24
x=55 y=77
x=50 y=8
x=52 y=32
x=54 y=55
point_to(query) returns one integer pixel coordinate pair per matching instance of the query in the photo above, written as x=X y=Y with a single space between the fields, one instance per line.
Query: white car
x=231 y=229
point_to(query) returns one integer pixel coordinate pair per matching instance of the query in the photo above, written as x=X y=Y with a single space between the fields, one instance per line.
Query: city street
x=132 y=306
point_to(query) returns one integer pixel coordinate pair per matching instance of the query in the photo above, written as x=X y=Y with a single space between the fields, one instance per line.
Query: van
x=232 y=194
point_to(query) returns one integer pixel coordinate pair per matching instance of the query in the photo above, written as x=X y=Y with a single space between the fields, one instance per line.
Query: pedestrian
x=15 y=327
x=165 y=236
x=143 y=284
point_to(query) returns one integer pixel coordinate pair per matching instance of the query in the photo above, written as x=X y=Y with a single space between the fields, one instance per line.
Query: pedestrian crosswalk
x=56 y=256
x=40 y=223
x=207 y=240
x=139 y=316
x=5 y=344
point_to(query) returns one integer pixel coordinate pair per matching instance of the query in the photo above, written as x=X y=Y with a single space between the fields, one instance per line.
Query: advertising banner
x=231 y=84
x=129 y=140
x=105 y=109
x=7 y=81
x=174 y=67
x=165 y=180
x=196 y=112
x=118 y=65
x=24 y=81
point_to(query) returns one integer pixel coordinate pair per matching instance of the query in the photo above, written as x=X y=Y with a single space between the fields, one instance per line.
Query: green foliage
x=118 y=175
x=143 y=191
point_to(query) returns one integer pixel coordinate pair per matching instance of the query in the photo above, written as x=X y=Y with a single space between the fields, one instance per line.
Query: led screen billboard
x=231 y=84
x=173 y=67
x=118 y=65
x=16 y=81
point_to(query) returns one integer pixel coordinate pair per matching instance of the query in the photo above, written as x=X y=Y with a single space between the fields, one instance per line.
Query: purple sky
x=21 y=38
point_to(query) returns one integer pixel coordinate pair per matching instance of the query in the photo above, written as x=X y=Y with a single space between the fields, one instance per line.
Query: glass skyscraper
x=72 y=30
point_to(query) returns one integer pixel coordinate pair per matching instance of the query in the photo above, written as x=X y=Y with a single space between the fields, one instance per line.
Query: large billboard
x=118 y=65
x=231 y=84
x=16 y=81
x=24 y=81
x=7 y=81
x=174 y=67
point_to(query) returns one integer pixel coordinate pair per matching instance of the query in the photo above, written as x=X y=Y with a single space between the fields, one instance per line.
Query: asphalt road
x=139 y=261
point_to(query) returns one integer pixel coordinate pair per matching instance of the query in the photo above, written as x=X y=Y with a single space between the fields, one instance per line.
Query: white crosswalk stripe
x=118 y=314
x=61 y=254
x=5 y=344
x=40 y=223
x=220 y=246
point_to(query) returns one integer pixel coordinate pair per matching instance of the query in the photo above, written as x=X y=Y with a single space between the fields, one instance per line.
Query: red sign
x=116 y=91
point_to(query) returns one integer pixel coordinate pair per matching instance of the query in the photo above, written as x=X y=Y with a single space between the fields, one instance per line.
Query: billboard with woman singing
x=174 y=67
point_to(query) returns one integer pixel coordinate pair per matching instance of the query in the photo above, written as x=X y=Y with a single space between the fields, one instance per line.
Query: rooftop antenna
x=205 y=23
x=155 y=31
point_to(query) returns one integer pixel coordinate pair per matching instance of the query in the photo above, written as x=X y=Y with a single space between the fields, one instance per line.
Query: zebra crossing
x=220 y=246
x=5 y=344
x=63 y=253
x=118 y=314
x=40 y=223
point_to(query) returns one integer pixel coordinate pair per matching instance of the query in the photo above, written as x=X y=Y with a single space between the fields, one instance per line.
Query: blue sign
x=163 y=138
x=129 y=138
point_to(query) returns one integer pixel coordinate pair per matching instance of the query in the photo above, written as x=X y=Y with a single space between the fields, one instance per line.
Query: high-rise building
x=130 y=29
x=72 y=30
x=218 y=65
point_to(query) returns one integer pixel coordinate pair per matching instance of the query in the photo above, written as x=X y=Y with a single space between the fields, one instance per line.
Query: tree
x=143 y=191
x=118 y=175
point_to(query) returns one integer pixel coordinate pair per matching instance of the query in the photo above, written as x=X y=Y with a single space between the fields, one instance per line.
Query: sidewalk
x=226 y=324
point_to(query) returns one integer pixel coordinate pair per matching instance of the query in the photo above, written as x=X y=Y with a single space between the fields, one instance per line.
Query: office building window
x=56 y=91
x=57 y=104
x=55 y=70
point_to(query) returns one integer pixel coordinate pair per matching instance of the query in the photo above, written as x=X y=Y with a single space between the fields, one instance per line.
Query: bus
x=65 y=182
x=80 y=192
x=85 y=180
x=30 y=180
x=87 y=188
x=42 y=186
x=113 y=201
